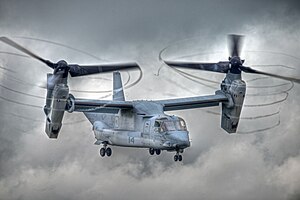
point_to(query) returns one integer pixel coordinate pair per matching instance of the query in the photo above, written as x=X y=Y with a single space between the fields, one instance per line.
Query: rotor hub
x=62 y=63
x=235 y=64
x=62 y=67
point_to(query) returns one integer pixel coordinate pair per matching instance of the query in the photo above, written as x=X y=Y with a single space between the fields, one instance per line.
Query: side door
x=156 y=135
x=146 y=132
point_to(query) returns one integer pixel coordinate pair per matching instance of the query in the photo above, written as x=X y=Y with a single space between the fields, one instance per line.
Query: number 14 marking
x=131 y=140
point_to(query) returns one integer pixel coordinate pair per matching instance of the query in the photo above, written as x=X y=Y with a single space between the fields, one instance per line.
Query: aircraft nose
x=181 y=138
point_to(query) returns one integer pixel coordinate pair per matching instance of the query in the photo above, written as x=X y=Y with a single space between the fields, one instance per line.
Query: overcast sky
x=264 y=165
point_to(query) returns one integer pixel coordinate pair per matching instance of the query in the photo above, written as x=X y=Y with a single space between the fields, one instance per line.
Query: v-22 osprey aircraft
x=140 y=123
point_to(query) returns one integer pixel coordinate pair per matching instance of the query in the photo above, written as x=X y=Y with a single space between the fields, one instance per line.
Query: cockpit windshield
x=170 y=125
x=180 y=124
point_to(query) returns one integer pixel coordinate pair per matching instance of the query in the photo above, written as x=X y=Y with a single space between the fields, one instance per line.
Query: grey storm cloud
x=264 y=165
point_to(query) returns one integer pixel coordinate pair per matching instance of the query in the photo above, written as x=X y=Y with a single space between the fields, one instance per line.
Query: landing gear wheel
x=175 y=158
x=151 y=151
x=179 y=157
x=157 y=151
x=102 y=152
x=108 y=151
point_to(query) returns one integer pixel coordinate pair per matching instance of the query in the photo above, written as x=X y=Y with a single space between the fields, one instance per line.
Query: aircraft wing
x=105 y=106
x=193 y=102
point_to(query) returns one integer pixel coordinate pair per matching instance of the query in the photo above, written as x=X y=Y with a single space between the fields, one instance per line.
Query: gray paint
x=257 y=166
x=118 y=93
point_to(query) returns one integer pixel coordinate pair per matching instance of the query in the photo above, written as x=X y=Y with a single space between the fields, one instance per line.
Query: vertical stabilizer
x=118 y=92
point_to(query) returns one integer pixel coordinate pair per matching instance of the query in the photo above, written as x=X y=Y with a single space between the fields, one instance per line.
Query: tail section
x=118 y=95
x=118 y=92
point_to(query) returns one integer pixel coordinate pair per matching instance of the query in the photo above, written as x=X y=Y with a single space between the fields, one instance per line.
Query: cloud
x=218 y=165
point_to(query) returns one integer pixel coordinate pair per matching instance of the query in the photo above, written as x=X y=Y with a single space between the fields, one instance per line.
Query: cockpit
x=170 y=124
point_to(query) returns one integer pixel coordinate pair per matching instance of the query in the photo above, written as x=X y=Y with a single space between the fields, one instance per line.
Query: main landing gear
x=105 y=150
x=152 y=151
x=178 y=157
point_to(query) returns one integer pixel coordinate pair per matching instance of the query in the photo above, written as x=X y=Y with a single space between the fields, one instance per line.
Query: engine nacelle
x=231 y=110
x=59 y=101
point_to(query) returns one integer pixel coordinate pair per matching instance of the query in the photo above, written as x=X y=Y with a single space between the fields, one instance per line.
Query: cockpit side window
x=156 y=124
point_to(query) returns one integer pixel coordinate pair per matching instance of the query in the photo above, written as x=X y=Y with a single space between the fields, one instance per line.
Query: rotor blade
x=19 y=47
x=82 y=70
x=221 y=67
x=235 y=43
x=254 y=71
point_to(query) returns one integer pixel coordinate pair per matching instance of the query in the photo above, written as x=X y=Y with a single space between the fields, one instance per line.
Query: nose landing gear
x=178 y=157
x=105 y=150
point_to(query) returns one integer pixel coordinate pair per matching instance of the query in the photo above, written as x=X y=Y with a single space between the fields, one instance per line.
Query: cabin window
x=116 y=122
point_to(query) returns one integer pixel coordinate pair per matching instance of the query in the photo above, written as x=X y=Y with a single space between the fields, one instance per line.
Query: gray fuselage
x=129 y=128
